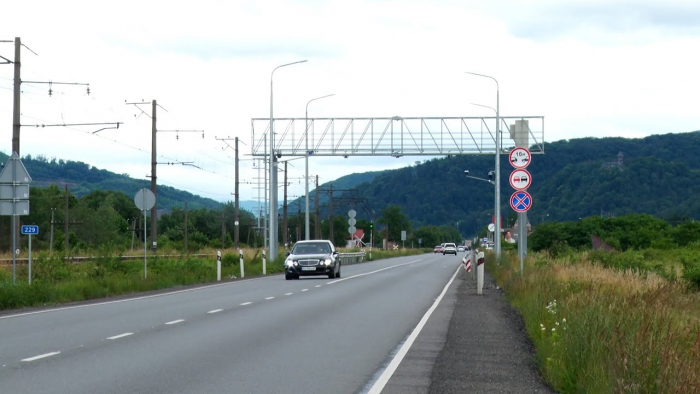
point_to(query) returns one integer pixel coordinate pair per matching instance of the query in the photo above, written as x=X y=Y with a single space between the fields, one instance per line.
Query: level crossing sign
x=521 y=201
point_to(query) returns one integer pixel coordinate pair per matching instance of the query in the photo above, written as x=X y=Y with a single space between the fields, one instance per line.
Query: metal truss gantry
x=394 y=136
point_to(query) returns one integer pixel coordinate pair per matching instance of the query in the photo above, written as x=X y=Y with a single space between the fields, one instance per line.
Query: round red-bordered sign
x=519 y=157
x=520 y=179
x=521 y=201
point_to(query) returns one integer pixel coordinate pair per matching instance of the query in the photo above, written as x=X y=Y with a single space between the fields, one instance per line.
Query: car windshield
x=311 y=248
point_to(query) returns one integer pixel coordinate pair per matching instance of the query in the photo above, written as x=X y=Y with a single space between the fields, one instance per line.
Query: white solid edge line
x=269 y=298
x=175 y=321
x=126 y=334
x=133 y=299
x=40 y=356
x=215 y=311
x=373 y=272
x=378 y=386
x=246 y=303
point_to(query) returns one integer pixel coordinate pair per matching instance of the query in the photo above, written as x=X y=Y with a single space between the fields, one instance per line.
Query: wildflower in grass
x=553 y=329
x=543 y=327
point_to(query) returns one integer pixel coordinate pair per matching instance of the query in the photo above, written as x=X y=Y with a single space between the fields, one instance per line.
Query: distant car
x=438 y=249
x=317 y=257
x=460 y=248
x=489 y=246
x=449 y=249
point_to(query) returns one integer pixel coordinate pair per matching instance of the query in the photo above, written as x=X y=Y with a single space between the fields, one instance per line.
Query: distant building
x=615 y=164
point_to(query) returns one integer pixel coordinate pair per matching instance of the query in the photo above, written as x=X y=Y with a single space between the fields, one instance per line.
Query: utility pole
x=15 y=125
x=154 y=210
x=236 y=230
x=16 y=93
x=285 y=230
x=186 y=250
x=223 y=229
x=317 y=230
x=330 y=217
x=66 y=221
x=299 y=221
x=133 y=232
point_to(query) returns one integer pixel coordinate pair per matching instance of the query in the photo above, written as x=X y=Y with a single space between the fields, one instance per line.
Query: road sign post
x=145 y=200
x=14 y=199
x=520 y=180
x=30 y=230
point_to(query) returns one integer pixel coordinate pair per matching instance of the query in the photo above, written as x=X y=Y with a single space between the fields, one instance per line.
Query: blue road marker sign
x=30 y=229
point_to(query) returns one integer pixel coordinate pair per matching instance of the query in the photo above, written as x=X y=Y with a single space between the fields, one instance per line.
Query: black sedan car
x=317 y=257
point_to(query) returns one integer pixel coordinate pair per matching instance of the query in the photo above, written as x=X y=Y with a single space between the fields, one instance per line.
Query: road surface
x=264 y=335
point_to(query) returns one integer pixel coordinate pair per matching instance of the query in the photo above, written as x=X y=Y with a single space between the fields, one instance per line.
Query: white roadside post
x=240 y=260
x=263 y=262
x=218 y=266
x=480 y=273
x=30 y=259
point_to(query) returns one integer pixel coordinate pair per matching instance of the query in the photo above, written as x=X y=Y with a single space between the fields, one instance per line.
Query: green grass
x=612 y=327
x=56 y=281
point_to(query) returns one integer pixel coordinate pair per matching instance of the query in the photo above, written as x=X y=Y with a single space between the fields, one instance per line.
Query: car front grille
x=308 y=263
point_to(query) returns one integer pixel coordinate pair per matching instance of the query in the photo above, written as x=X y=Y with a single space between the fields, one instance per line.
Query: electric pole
x=154 y=210
x=66 y=221
x=285 y=235
x=330 y=217
x=317 y=230
x=236 y=230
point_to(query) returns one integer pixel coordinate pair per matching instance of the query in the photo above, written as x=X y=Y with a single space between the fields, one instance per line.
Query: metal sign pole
x=30 y=259
x=145 y=243
x=14 y=250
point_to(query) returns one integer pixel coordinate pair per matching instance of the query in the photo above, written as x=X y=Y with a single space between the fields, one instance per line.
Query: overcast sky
x=592 y=68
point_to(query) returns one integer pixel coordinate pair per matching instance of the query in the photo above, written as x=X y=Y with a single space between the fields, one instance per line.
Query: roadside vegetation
x=624 y=321
x=56 y=280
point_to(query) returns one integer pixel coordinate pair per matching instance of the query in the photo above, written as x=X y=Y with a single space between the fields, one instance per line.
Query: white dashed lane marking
x=215 y=311
x=269 y=298
x=40 y=356
x=246 y=303
x=175 y=321
x=126 y=334
x=304 y=289
x=289 y=293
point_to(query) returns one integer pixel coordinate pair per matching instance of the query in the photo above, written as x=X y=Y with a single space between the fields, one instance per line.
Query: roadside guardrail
x=351 y=258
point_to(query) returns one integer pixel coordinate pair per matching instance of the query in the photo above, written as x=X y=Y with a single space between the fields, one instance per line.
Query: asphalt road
x=267 y=335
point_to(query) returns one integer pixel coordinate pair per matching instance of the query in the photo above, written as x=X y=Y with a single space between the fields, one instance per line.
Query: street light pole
x=497 y=179
x=307 y=234
x=273 y=176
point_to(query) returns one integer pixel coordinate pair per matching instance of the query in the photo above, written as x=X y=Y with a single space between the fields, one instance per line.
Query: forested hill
x=82 y=179
x=659 y=175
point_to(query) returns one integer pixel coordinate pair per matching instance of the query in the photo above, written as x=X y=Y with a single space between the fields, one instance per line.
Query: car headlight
x=289 y=262
x=328 y=261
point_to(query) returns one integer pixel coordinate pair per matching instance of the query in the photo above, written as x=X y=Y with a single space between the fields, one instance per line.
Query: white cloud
x=591 y=68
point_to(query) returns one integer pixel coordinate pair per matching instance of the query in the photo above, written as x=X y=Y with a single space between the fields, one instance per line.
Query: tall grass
x=604 y=330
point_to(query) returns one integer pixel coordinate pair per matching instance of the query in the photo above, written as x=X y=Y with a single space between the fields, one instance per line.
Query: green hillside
x=82 y=179
x=659 y=175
